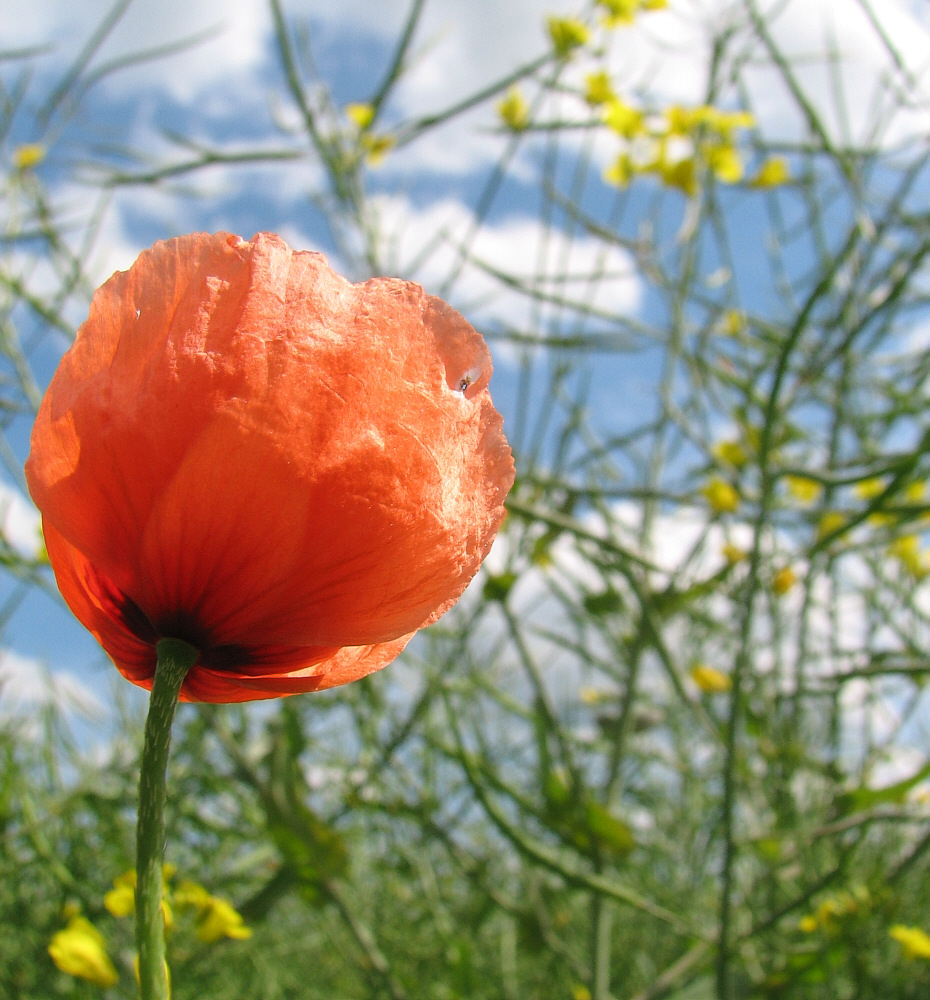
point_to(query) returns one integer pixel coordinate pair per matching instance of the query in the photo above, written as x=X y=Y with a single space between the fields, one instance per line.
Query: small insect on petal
x=468 y=378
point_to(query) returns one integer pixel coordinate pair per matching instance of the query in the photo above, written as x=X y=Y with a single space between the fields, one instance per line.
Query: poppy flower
x=290 y=472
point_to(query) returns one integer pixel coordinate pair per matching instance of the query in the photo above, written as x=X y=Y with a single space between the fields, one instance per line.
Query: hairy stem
x=175 y=658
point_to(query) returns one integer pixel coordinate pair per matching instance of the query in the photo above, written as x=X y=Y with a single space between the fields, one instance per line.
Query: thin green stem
x=175 y=658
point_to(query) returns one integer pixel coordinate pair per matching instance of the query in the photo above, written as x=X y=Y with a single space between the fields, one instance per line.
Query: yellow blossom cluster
x=79 y=949
x=569 y=33
x=871 y=490
x=832 y=910
x=679 y=145
x=216 y=918
x=906 y=549
x=374 y=146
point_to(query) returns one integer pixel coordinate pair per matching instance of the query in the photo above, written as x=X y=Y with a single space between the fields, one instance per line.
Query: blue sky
x=227 y=91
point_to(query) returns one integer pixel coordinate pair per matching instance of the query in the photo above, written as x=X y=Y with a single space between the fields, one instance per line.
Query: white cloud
x=241 y=30
x=866 y=74
x=899 y=764
x=460 y=48
x=917 y=340
x=19 y=521
x=25 y=684
x=669 y=54
x=425 y=244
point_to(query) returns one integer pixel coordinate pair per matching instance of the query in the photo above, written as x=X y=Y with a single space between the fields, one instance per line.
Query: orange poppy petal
x=344 y=665
x=253 y=452
x=223 y=674
x=100 y=609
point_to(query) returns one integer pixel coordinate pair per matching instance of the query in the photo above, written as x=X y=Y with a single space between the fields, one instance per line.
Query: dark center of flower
x=177 y=624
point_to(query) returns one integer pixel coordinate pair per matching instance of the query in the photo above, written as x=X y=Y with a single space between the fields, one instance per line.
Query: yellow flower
x=914 y=941
x=721 y=496
x=580 y=992
x=377 y=147
x=828 y=911
x=682 y=175
x=621 y=171
x=906 y=550
x=710 y=680
x=619 y=11
x=774 y=171
x=80 y=950
x=191 y=894
x=622 y=118
x=726 y=163
x=804 y=489
x=27 y=156
x=808 y=924
x=784 y=580
x=598 y=89
x=712 y=131
x=121 y=901
x=734 y=322
x=653 y=4
x=362 y=115
x=591 y=696
x=869 y=489
x=725 y=122
x=730 y=452
x=830 y=522
x=679 y=121
x=567 y=34
x=218 y=919
x=733 y=553
x=514 y=110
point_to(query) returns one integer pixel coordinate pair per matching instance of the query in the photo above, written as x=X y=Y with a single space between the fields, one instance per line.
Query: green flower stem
x=175 y=658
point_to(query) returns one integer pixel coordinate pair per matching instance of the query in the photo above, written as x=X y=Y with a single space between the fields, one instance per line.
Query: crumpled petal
x=244 y=450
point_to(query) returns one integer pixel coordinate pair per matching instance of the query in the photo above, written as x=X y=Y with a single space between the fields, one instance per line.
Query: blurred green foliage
x=538 y=800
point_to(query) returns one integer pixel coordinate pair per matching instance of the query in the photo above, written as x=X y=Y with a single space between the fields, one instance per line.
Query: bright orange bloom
x=290 y=472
